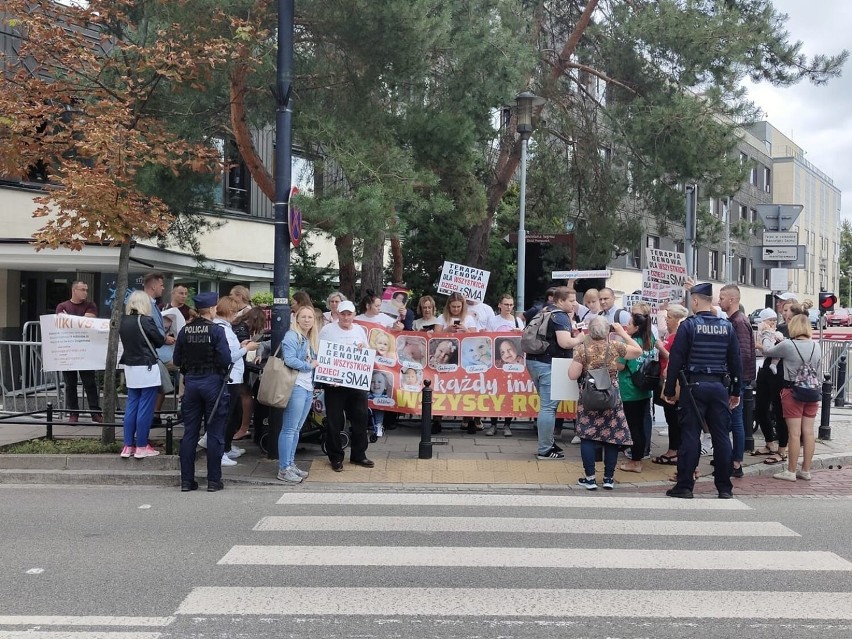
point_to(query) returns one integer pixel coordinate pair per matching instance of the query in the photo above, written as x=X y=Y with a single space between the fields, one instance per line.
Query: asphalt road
x=139 y=563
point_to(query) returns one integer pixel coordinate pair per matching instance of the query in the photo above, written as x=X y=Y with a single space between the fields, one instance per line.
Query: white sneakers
x=227 y=461
x=203 y=441
x=235 y=452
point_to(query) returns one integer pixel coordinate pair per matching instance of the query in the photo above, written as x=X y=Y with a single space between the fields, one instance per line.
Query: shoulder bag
x=276 y=382
x=166 y=384
x=598 y=392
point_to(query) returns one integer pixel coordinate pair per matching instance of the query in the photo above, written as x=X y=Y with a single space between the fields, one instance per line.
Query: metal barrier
x=23 y=382
x=834 y=354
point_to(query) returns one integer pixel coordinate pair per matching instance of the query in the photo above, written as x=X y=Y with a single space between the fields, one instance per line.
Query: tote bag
x=276 y=382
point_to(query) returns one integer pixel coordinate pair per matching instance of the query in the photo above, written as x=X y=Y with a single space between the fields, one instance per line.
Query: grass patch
x=63 y=447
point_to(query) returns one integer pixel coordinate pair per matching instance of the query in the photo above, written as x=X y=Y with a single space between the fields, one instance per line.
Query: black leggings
x=767 y=407
x=635 y=412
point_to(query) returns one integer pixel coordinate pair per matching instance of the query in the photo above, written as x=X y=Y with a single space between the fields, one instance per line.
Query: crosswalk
x=412 y=538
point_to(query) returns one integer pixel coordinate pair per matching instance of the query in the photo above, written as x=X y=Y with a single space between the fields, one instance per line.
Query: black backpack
x=534 y=338
x=647 y=376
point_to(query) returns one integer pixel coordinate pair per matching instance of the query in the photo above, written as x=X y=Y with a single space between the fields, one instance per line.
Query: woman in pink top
x=675 y=314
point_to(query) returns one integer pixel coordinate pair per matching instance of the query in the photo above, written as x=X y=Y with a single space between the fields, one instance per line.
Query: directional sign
x=774 y=238
x=758 y=261
x=779 y=217
x=780 y=253
x=581 y=275
x=541 y=238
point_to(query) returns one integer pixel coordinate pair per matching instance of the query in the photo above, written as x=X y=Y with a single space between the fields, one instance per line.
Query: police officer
x=203 y=355
x=705 y=357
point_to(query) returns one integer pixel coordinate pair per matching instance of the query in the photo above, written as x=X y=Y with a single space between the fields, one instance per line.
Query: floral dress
x=608 y=426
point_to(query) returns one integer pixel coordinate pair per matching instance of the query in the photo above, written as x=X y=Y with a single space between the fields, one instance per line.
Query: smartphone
x=456 y=322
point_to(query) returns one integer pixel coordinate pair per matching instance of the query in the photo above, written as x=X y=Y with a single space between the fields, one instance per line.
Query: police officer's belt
x=706 y=377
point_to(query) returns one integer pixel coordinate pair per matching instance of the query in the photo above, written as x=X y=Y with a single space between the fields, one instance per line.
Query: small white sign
x=73 y=343
x=774 y=238
x=581 y=275
x=778 y=279
x=458 y=278
x=563 y=388
x=780 y=253
x=344 y=365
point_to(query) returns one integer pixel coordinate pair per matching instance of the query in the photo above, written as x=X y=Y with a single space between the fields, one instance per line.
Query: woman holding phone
x=455 y=318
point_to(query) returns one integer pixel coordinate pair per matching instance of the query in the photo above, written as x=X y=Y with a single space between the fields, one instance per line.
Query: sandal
x=665 y=460
x=623 y=467
x=763 y=451
x=775 y=458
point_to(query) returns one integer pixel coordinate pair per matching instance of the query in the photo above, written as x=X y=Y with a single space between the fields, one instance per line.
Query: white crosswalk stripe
x=368 y=536
x=75 y=634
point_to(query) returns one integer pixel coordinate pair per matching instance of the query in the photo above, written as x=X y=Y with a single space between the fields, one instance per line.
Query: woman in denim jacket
x=300 y=353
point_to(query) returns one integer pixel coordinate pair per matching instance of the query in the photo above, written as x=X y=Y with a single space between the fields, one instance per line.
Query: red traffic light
x=827 y=301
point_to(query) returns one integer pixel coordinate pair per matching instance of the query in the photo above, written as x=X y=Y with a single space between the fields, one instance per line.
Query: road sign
x=779 y=217
x=774 y=238
x=757 y=260
x=581 y=275
x=294 y=218
x=541 y=238
x=780 y=253
x=778 y=279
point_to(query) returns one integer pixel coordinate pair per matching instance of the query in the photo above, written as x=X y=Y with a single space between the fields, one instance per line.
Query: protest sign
x=470 y=282
x=73 y=343
x=344 y=365
x=394 y=300
x=581 y=275
x=471 y=374
x=664 y=278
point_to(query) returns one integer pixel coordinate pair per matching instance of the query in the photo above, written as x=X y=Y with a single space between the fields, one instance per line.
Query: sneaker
x=785 y=475
x=234 y=453
x=663 y=432
x=551 y=454
x=576 y=439
x=706 y=446
x=147 y=451
x=227 y=461
x=203 y=441
x=240 y=451
x=738 y=473
x=588 y=483
x=507 y=432
x=803 y=474
x=380 y=430
x=128 y=451
x=491 y=430
x=558 y=449
x=608 y=483
x=301 y=473
x=289 y=476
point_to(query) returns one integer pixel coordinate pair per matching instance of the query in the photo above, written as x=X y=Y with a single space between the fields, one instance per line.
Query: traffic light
x=827 y=302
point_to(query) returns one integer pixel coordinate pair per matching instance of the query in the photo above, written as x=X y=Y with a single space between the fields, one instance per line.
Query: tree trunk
x=373 y=264
x=396 y=257
x=242 y=134
x=510 y=150
x=346 y=264
x=110 y=371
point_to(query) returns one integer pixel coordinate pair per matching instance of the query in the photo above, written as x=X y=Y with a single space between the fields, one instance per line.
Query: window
x=679 y=246
x=233 y=192
x=634 y=258
x=653 y=241
x=753 y=176
x=743 y=271
x=743 y=158
x=743 y=212
x=753 y=220
x=767 y=179
x=713 y=265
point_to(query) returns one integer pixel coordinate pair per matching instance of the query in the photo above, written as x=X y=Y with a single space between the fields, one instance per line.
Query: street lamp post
x=526 y=102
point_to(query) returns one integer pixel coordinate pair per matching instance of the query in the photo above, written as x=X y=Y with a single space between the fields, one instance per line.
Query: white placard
x=73 y=343
x=344 y=365
x=780 y=253
x=458 y=278
x=778 y=279
x=581 y=275
x=775 y=238
x=664 y=278
x=561 y=387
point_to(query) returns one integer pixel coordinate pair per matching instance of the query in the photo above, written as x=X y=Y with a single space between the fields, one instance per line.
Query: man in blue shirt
x=560 y=344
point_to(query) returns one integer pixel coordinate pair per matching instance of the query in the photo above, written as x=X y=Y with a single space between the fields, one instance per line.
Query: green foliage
x=262 y=299
x=306 y=275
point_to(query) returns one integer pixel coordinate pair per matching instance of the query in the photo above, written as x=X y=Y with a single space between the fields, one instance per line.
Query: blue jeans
x=610 y=456
x=738 y=428
x=294 y=416
x=540 y=375
x=138 y=415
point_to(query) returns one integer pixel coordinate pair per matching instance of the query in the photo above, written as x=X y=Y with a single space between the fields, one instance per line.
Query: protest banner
x=394 y=300
x=344 y=365
x=471 y=374
x=581 y=275
x=458 y=278
x=73 y=343
x=664 y=278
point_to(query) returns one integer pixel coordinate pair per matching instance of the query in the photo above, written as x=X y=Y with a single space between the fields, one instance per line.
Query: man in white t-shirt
x=506 y=320
x=342 y=402
x=480 y=312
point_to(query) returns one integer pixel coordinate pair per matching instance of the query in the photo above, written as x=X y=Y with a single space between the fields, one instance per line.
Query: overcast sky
x=817 y=118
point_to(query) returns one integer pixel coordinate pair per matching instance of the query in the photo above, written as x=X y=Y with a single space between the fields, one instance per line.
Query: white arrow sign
x=780 y=253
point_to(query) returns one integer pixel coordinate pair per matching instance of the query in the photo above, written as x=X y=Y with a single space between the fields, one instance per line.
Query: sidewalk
x=459 y=459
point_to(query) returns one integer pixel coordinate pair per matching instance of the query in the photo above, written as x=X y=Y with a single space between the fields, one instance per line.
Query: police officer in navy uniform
x=203 y=355
x=705 y=357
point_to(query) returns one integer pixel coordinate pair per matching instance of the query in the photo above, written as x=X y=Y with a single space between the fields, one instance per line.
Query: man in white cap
x=342 y=402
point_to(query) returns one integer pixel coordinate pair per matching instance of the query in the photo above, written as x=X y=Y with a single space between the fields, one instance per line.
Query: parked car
x=838 y=317
x=816 y=318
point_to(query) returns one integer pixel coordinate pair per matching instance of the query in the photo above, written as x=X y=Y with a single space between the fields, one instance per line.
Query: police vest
x=710 y=339
x=199 y=355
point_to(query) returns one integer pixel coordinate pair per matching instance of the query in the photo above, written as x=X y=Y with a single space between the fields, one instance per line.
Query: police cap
x=205 y=300
x=703 y=289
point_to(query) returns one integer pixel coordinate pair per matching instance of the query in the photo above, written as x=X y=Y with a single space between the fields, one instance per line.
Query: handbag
x=276 y=382
x=647 y=376
x=598 y=392
x=166 y=384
